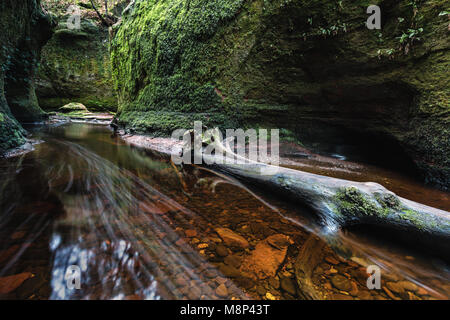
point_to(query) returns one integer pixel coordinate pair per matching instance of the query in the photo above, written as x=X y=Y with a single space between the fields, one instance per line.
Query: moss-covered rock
x=25 y=29
x=73 y=106
x=309 y=66
x=75 y=66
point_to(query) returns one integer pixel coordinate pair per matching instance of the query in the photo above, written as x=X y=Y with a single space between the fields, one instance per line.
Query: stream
x=138 y=227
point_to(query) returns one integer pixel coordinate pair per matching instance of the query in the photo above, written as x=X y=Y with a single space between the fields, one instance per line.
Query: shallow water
x=140 y=228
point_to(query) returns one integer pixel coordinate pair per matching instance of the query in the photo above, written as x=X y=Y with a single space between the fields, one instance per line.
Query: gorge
x=364 y=122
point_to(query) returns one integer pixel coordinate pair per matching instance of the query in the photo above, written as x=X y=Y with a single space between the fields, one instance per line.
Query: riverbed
x=137 y=227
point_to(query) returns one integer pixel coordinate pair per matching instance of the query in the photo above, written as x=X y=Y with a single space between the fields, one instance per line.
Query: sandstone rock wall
x=75 y=64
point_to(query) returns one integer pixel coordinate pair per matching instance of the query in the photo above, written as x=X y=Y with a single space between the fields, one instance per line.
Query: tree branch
x=100 y=15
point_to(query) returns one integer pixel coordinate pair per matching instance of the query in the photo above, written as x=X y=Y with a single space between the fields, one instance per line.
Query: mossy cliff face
x=312 y=67
x=25 y=28
x=75 y=66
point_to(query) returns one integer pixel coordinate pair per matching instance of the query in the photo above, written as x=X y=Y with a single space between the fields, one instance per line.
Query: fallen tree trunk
x=338 y=202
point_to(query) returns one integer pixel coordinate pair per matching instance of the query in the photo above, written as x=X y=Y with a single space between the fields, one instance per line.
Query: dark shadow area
x=405 y=242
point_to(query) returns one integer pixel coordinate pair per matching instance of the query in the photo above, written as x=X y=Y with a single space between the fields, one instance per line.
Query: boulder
x=264 y=261
x=232 y=239
x=73 y=107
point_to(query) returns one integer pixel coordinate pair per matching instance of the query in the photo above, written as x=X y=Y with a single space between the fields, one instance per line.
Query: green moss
x=414 y=218
x=424 y=222
x=25 y=28
x=388 y=201
x=93 y=103
x=352 y=203
x=158 y=58
x=11 y=133
x=75 y=66
x=73 y=107
x=163 y=123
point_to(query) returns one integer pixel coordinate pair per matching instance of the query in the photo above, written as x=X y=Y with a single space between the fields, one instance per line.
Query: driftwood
x=339 y=203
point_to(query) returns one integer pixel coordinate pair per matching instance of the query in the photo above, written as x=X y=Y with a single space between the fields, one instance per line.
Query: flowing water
x=137 y=227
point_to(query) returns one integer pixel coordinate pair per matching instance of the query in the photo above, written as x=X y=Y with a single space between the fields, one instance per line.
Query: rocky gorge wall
x=75 y=64
x=25 y=29
x=310 y=67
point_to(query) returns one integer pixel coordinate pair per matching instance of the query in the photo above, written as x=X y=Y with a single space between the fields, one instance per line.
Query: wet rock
x=279 y=241
x=270 y=296
x=412 y=296
x=421 y=291
x=275 y=283
x=390 y=294
x=342 y=283
x=395 y=287
x=222 y=291
x=354 y=292
x=215 y=239
x=244 y=282
x=407 y=285
x=221 y=250
x=267 y=257
x=287 y=274
x=231 y=238
x=11 y=283
x=181 y=281
x=331 y=271
x=390 y=276
x=212 y=246
x=287 y=296
x=190 y=233
x=261 y=290
x=338 y=296
x=364 y=295
x=229 y=271
x=194 y=293
x=260 y=229
x=210 y=273
x=288 y=285
x=221 y=280
x=233 y=261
